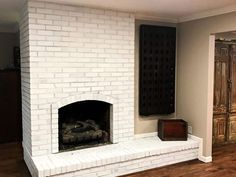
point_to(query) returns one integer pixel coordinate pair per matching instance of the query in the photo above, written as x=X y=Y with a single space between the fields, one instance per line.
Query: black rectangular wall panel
x=157 y=70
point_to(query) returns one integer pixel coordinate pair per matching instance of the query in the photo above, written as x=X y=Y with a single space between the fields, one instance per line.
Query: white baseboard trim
x=205 y=159
x=201 y=157
x=145 y=135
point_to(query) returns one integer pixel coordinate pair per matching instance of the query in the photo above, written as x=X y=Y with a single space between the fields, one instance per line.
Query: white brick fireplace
x=72 y=54
x=76 y=53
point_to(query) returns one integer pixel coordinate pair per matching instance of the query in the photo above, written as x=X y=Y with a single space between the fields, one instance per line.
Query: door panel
x=221 y=95
x=221 y=78
x=219 y=127
x=233 y=79
x=232 y=127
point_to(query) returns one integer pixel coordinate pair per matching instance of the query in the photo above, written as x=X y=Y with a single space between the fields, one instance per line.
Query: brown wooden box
x=172 y=130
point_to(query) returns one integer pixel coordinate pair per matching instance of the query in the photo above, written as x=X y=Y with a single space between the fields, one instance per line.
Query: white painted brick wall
x=25 y=79
x=74 y=51
x=134 y=165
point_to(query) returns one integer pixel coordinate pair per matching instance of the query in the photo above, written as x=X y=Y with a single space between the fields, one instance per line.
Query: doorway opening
x=224 y=104
x=10 y=87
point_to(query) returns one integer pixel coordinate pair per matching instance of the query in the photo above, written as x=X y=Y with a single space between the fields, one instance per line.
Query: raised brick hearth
x=71 y=54
x=116 y=159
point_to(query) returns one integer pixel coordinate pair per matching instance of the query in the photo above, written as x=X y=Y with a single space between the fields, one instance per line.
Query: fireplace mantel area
x=77 y=68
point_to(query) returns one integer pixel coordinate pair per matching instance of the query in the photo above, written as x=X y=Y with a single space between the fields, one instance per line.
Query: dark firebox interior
x=84 y=124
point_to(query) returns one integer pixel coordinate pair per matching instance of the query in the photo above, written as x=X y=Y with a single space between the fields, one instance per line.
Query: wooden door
x=232 y=95
x=224 y=118
x=220 y=93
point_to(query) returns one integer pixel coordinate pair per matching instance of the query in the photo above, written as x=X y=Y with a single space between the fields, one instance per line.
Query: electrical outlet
x=190 y=130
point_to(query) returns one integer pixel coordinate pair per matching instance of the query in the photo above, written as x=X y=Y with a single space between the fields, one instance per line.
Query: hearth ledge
x=116 y=159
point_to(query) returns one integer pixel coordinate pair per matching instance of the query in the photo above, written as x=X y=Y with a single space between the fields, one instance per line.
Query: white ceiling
x=169 y=10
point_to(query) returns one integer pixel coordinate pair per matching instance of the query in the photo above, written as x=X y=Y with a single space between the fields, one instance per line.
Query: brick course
x=76 y=51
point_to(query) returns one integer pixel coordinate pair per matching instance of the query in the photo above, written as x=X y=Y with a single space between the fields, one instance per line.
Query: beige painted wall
x=144 y=124
x=195 y=73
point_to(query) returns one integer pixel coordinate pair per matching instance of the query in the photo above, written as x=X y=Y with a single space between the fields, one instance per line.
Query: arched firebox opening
x=84 y=124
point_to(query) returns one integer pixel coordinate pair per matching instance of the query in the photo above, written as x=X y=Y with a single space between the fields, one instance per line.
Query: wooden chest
x=172 y=130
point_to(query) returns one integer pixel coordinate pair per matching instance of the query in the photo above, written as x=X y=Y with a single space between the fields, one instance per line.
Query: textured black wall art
x=157 y=70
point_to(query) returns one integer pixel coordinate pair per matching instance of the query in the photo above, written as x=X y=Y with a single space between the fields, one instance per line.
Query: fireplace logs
x=84 y=124
x=80 y=132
